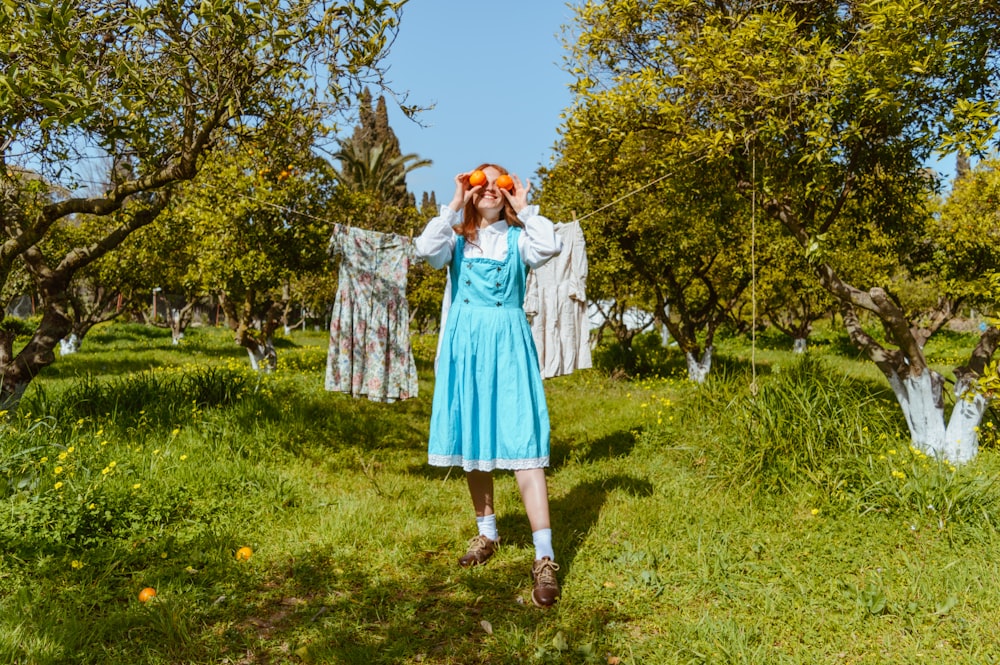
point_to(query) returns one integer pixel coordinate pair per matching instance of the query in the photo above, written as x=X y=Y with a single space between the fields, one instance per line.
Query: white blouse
x=537 y=243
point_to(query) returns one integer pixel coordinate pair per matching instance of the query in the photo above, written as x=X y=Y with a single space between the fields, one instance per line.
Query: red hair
x=471 y=217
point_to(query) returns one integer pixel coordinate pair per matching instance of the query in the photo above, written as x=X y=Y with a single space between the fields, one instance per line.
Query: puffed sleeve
x=437 y=242
x=538 y=242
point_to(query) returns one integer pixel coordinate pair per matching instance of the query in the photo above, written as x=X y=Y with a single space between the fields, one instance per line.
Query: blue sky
x=493 y=72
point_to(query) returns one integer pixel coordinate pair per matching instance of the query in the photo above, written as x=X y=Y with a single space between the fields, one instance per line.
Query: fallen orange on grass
x=244 y=553
x=146 y=594
x=505 y=182
x=477 y=178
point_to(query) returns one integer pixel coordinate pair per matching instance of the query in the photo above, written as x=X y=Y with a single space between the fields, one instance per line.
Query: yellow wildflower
x=57 y=470
x=76 y=564
x=58 y=485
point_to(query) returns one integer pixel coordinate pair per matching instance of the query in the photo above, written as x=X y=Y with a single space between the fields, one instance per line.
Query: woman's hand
x=519 y=197
x=463 y=192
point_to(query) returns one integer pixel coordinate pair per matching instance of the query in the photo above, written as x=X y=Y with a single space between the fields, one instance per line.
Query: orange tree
x=828 y=112
x=155 y=86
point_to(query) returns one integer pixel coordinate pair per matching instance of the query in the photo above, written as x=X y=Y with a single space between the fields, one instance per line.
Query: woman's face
x=489 y=202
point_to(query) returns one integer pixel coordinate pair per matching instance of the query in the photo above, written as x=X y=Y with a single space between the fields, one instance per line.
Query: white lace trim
x=488 y=464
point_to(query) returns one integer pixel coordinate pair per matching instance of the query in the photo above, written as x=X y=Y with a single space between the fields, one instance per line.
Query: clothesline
x=634 y=191
x=621 y=198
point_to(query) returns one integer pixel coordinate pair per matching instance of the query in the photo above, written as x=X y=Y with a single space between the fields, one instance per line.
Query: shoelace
x=479 y=543
x=545 y=573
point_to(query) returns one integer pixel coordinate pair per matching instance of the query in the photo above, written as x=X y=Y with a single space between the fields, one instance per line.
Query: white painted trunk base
x=68 y=345
x=698 y=369
x=264 y=358
x=800 y=345
x=955 y=440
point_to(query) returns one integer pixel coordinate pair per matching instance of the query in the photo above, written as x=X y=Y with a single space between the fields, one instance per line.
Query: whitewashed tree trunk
x=176 y=334
x=698 y=369
x=962 y=435
x=664 y=332
x=263 y=357
x=955 y=439
x=800 y=345
x=70 y=344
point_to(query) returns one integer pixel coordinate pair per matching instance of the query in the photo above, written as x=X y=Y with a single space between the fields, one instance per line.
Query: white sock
x=543 y=544
x=488 y=526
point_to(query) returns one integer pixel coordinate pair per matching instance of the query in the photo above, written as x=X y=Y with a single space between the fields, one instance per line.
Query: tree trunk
x=263 y=357
x=800 y=345
x=698 y=370
x=17 y=370
x=923 y=407
x=918 y=390
x=180 y=319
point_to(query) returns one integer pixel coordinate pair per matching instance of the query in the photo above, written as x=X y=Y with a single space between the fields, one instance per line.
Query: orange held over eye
x=477 y=178
x=505 y=182
x=146 y=594
x=244 y=553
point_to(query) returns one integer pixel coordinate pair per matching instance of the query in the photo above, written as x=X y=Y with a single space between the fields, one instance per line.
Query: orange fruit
x=146 y=594
x=477 y=178
x=505 y=182
x=244 y=553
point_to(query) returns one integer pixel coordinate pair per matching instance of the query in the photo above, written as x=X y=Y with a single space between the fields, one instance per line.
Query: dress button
x=499 y=304
x=498 y=269
x=468 y=281
x=466 y=301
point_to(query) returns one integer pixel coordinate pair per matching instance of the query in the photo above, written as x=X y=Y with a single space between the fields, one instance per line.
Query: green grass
x=692 y=524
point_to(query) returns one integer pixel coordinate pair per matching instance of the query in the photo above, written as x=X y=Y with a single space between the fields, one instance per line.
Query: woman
x=489 y=409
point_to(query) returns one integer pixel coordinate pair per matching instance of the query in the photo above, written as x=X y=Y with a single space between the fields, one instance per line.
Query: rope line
x=578 y=219
x=753 y=274
x=636 y=191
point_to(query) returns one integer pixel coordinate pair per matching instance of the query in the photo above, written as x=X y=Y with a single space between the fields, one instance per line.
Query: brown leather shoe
x=546 y=591
x=481 y=549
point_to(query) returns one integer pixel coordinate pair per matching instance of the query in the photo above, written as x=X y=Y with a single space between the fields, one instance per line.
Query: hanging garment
x=556 y=304
x=370 y=351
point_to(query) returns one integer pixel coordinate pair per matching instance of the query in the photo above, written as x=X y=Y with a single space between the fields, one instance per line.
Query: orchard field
x=788 y=522
x=737 y=165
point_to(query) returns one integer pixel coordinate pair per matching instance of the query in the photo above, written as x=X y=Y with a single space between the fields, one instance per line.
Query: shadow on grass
x=337 y=422
x=340 y=612
x=609 y=446
x=330 y=610
x=575 y=513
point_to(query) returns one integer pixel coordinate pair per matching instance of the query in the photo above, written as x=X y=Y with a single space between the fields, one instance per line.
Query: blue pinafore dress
x=489 y=409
